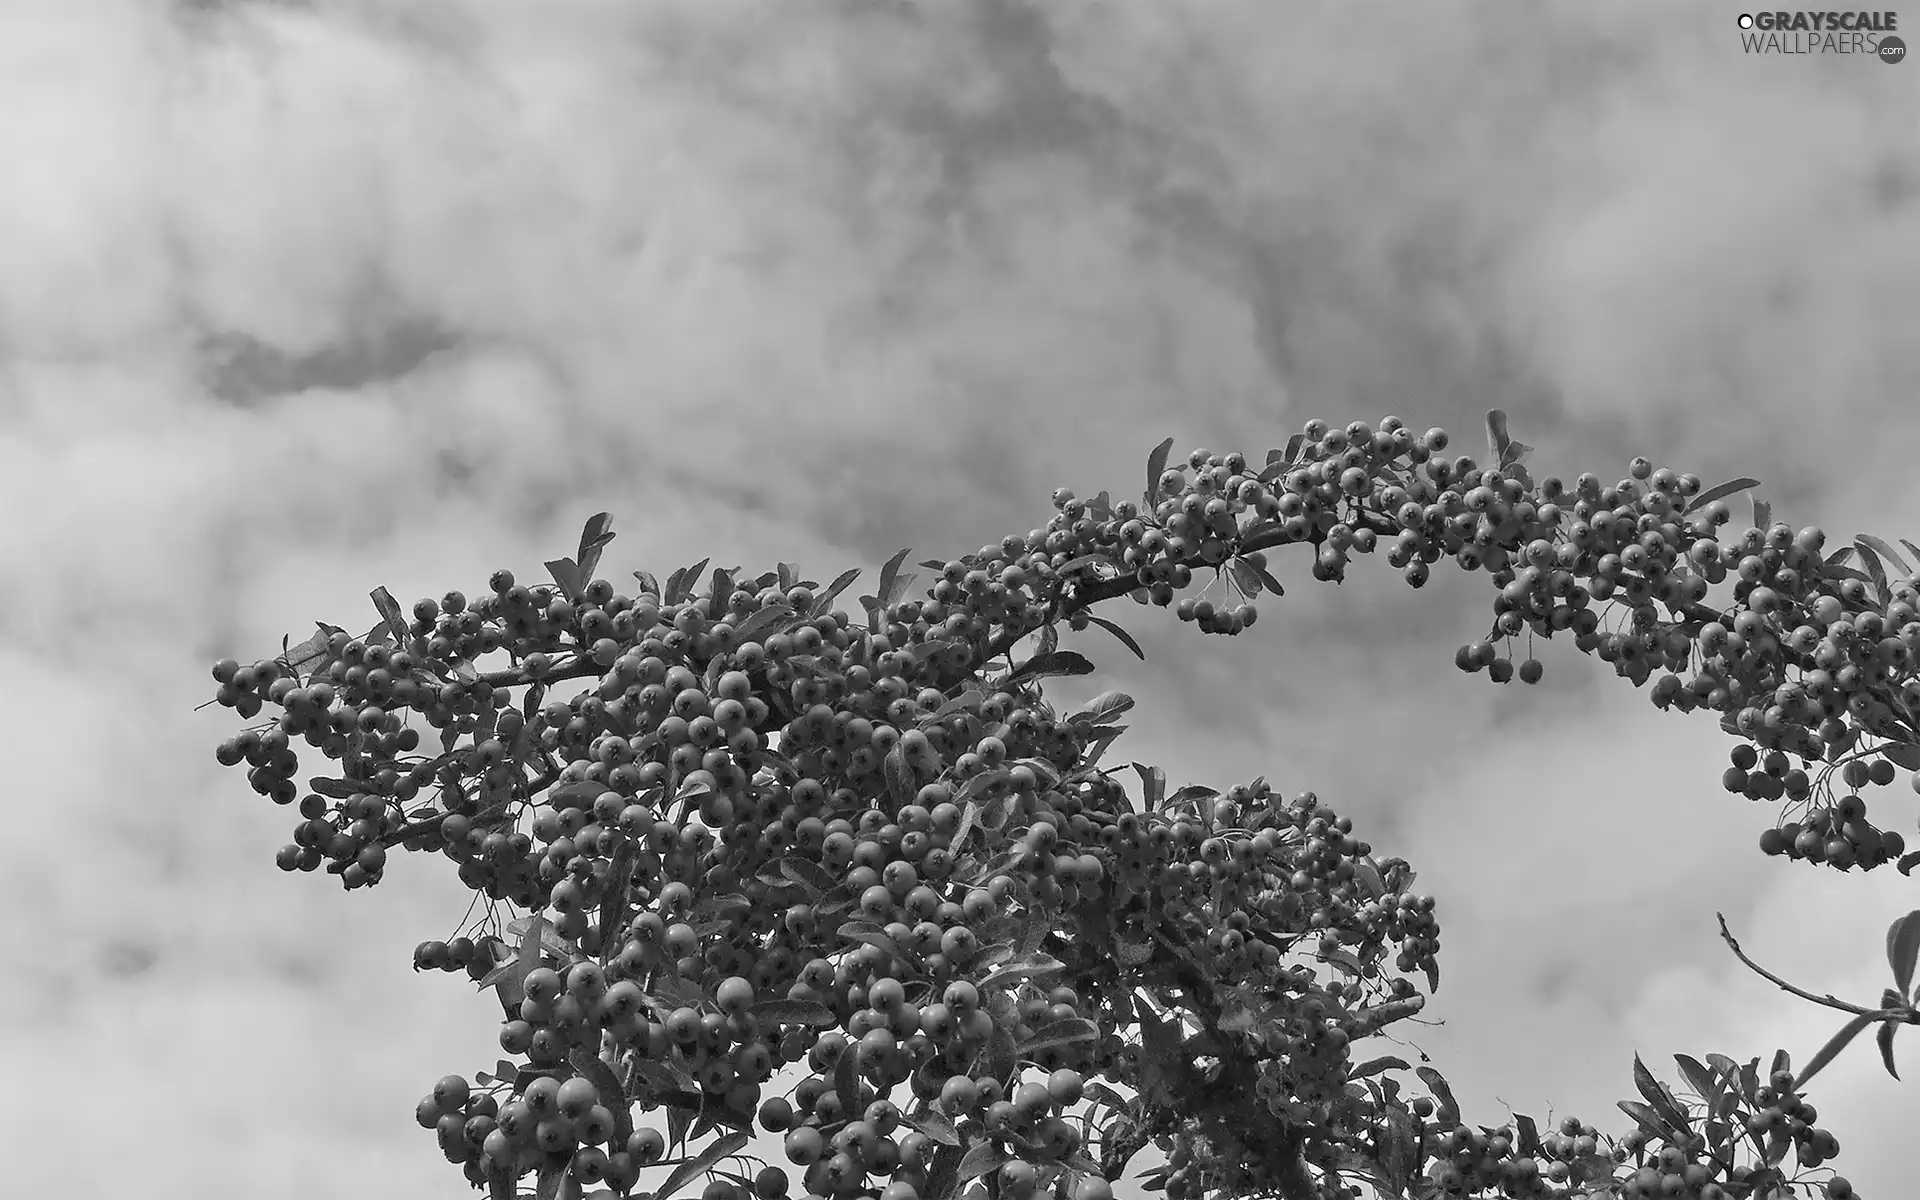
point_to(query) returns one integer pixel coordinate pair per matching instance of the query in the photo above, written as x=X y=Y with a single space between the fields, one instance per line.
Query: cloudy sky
x=302 y=298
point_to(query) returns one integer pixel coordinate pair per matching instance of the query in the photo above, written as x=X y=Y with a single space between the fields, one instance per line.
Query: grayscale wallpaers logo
x=1866 y=34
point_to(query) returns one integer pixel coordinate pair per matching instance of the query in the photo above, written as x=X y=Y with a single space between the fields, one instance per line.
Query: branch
x=1829 y=1001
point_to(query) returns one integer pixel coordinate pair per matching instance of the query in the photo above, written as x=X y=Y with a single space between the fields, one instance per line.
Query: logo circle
x=1746 y=20
x=1891 y=49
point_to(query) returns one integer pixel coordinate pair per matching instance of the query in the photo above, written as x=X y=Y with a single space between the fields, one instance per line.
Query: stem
x=1830 y=1001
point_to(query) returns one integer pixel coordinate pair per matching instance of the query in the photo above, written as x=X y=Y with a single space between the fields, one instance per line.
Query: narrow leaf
x=679 y=589
x=1374 y=1066
x=1647 y=1119
x=1496 y=434
x=1449 y=1110
x=1885 y=1038
x=1154 y=782
x=1903 y=948
x=1834 y=1046
x=1060 y=662
x=1369 y=877
x=1101 y=709
x=1246 y=577
x=1293 y=447
x=648 y=584
x=1718 y=492
x=984 y=1155
x=594 y=536
x=795 y=1012
x=1126 y=639
x=1699 y=1078
x=845 y=580
x=1902 y=754
x=1272 y=584
x=567 y=575
x=390 y=610
x=1877 y=572
x=888 y=572
x=936 y=1126
x=695 y=1167
x=1762 y=514
x=1157 y=466
x=1657 y=1095
x=1883 y=550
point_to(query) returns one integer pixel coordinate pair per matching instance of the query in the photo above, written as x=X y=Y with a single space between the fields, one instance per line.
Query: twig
x=1830 y=1001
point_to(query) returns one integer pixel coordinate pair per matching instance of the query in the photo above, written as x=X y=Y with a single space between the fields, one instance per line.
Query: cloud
x=298 y=299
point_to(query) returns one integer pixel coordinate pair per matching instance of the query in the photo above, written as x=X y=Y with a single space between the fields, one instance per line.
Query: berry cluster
x=763 y=834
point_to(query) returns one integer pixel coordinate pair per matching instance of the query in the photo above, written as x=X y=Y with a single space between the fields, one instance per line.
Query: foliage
x=762 y=832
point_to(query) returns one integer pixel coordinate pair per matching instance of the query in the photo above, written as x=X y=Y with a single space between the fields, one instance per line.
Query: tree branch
x=1829 y=1001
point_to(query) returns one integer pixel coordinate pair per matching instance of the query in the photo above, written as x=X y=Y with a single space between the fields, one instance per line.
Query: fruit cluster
x=769 y=835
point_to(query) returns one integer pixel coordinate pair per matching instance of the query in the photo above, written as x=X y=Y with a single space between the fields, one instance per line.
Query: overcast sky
x=299 y=299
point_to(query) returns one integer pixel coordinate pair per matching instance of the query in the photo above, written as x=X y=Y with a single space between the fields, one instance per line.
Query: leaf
x=390 y=610
x=1101 y=709
x=1374 y=1066
x=984 y=1155
x=824 y=603
x=936 y=1126
x=1515 y=454
x=1293 y=447
x=552 y=1175
x=680 y=586
x=1834 y=1046
x=1246 y=577
x=1885 y=1038
x=969 y=814
x=1885 y=551
x=1719 y=491
x=1497 y=438
x=1907 y=861
x=648 y=584
x=1156 y=467
x=810 y=875
x=1902 y=754
x=567 y=575
x=1433 y=975
x=695 y=1167
x=1346 y=961
x=1193 y=791
x=1699 y=1078
x=1098 y=746
x=1657 y=1095
x=337 y=789
x=1369 y=876
x=1762 y=514
x=594 y=536
x=1877 y=572
x=1750 y=1081
x=1449 y=1110
x=764 y=621
x=1647 y=1118
x=1154 y=782
x=1529 y=1142
x=1126 y=639
x=1058 y=1033
x=1903 y=948
x=1272 y=584
x=1782 y=1061
x=886 y=591
x=720 y=587
x=1040 y=666
x=795 y=1012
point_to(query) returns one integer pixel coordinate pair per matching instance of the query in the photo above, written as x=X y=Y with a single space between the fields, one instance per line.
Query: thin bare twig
x=1829 y=1001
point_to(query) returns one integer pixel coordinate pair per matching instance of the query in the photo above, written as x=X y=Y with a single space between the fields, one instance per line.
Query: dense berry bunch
x=760 y=834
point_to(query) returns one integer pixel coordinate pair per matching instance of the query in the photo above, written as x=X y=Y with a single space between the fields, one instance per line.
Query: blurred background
x=302 y=298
